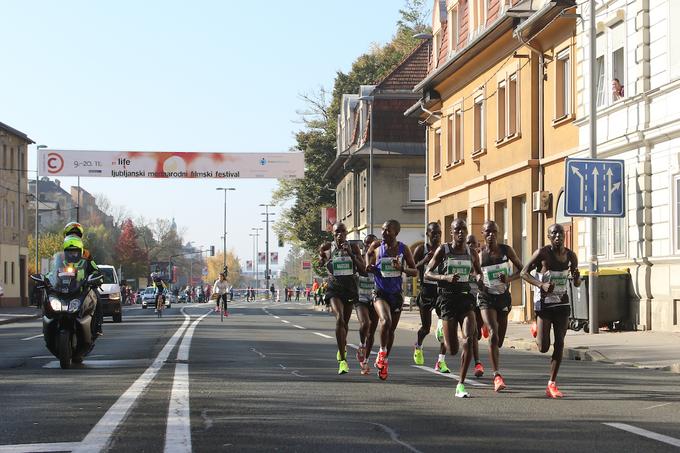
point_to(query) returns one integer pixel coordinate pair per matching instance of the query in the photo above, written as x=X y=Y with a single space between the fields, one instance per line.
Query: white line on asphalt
x=282 y=367
x=99 y=437
x=395 y=437
x=451 y=376
x=297 y=373
x=33 y=337
x=258 y=352
x=644 y=433
x=26 y=448
x=655 y=406
x=178 y=426
x=277 y=317
x=299 y=327
x=321 y=334
x=287 y=322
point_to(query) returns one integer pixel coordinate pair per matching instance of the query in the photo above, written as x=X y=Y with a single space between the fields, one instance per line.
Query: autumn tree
x=131 y=258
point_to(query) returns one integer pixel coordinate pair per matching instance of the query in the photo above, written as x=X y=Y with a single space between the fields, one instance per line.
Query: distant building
x=13 y=227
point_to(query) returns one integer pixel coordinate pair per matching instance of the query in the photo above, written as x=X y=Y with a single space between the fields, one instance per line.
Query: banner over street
x=177 y=165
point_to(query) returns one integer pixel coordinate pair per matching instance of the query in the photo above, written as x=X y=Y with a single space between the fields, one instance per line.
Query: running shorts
x=395 y=300
x=453 y=307
x=502 y=303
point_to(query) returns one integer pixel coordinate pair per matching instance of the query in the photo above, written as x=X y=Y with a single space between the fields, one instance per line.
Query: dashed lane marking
x=287 y=322
x=299 y=327
x=323 y=335
x=32 y=338
x=26 y=448
x=451 y=376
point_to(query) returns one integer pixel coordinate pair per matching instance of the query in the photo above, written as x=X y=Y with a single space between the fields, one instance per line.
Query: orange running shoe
x=485 y=331
x=479 y=370
x=498 y=383
x=361 y=354
x=553 y=392
x=381 y=365
x=533 y=329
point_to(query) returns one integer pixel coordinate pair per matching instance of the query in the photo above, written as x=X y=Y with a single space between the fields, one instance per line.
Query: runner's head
x=472 y=242
x=390 y=230
x=459 y=231
x=339 y=232
x=434 y=233
x=73 y=228
x=369 y=239
x=556 y=235
x=490 y=232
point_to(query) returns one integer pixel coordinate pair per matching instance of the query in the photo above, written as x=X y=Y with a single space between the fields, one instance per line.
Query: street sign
x=595 y=188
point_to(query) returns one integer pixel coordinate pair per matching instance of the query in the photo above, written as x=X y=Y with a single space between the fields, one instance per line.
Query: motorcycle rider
x=159 y=285
x=76 y=229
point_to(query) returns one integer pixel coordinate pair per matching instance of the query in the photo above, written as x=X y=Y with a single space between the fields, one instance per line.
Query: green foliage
x=48 y=245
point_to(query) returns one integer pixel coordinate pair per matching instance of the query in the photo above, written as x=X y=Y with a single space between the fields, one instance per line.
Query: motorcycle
x=68 y=305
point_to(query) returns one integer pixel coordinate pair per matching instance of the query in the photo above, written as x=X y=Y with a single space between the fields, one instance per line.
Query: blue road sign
x=594 y=188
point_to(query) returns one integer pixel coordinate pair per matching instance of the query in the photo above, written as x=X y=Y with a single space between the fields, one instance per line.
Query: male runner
x=368 y=318
x=556 y=264
x=482 y=330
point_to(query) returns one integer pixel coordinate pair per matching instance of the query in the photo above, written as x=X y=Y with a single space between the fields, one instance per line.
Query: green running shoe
x=460 y=391
x=337 y=355
x=343 y=368
x=418 y=357
x=441 y=367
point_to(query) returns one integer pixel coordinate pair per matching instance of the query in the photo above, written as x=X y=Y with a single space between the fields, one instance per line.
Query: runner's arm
x=410 y=270
x=512 y=256
x=434 y=264
x=357 y=258
x=534 y=263
x=573 y=262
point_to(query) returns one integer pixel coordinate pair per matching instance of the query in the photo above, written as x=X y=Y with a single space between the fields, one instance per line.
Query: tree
x=48 y=245
x=130 y=257
x=215 y=266
x=101 y=243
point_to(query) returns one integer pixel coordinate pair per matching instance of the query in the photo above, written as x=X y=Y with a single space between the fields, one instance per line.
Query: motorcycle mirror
x=37 y=278
x=95 y=278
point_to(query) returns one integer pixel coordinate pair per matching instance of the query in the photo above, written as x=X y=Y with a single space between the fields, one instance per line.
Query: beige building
x=13 y=226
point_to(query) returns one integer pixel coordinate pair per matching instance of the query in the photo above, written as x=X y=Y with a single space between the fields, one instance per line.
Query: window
x=618 y=37
x=602 y=236
x=513 y=118
x=11 y=159
x=619 y=231
x=437 y=145
x=350 y=194
x=22 y=218
x=676 y=184
x=4 y=156
x=673 y=40
x=479 y=125
x=501 y=219
x=454 y=28
x=507 y=107
x=5 y=214
x=600 y=81
x=458 y=136
x=12 y=272
x=362 y=192
x=563 y=85
x=501 y=110
x=478 y=11
x=416 y=188
x=12 y=209
x=5 y=273
x=450 y=139
x=437 y=40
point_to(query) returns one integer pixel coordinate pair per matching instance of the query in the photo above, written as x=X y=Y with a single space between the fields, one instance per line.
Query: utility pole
x=224 y=259
x=592 y=240
x=37 y=202
x=267 y=275
x=256 y=265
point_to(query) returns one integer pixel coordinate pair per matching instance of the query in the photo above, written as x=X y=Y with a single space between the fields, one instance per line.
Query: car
x=149 y=298
x=170 y=297
x=109 y=293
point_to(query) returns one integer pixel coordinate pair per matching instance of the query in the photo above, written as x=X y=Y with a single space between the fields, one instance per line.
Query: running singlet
x=424 y=281
x=493 y=267
x=340 y=267
x=460 y=264
x=558 y=275
x=388 y=279
x=366 y=287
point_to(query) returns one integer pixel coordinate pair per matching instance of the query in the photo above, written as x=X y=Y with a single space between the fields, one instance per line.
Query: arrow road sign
x=595 y=188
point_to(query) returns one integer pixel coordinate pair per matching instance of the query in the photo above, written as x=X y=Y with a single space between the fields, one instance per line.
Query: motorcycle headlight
x=114 y=296
x=74 y=306
x=55 y=304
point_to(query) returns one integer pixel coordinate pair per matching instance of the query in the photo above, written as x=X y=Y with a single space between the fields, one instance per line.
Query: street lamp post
x=267 y=214
x=256 y=236
x=225 y=189
x=369 y=100
x=37 y=201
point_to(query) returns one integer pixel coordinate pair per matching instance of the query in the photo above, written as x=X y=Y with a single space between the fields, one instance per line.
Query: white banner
x=142 y=164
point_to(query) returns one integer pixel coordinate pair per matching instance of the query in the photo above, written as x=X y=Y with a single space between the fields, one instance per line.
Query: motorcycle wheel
x=65 y=350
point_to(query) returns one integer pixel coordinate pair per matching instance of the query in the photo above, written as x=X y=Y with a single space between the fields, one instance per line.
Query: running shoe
x=498 y=383
x=479 y=370
x=485 y=331
x=361 y=354
x=418 y=357
x=343 y=367
x=461 y=392
x=365 y=368
x=226 y=313
x=381 y=365
x=553 y=392
x=441 y=367
x=337 y=355
x=533 y=329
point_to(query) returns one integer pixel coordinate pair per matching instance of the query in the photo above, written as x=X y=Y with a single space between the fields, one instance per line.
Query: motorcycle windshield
x=65 y=276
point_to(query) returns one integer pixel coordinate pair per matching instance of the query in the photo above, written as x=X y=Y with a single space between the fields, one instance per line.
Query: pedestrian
x=342 y=260
x=494 y=298
x=272 y=290
x=427 y=297
x=388 y=260
x=315 y=290
x=297 y=293
x=366 y=314
x=556 y=265
x=451 y=266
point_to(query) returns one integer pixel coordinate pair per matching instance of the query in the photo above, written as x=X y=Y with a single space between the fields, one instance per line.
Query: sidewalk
x=16 y=314
x=644 y=349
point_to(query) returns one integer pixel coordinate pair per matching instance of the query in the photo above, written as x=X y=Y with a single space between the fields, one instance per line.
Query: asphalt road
x=265 y=380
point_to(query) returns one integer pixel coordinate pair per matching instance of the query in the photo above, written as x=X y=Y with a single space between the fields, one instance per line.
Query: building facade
x=638 y=120
x=397 y=144
x=13 y=225
x=499 y=105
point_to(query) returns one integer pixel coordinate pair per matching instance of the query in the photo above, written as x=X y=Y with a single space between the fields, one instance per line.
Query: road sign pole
x=592 y=267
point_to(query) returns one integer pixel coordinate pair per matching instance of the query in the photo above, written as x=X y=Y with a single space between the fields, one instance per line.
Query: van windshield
x=107 y=272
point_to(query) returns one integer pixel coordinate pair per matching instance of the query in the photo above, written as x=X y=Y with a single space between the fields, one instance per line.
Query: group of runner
x=467 y=285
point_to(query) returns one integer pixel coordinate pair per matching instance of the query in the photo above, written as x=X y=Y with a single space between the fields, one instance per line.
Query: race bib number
x=560 y=280
x=460 y=267
x=492 y=277
x=366 y=285
x=342 y=265
x=387 y=269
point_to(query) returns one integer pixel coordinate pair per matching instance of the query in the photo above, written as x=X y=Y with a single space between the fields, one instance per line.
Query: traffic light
x=212 y=250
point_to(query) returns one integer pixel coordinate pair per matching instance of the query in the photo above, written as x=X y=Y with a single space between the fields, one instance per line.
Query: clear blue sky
x=181 y=76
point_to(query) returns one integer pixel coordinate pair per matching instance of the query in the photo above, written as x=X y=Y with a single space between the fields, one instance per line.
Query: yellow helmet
x=73 y=228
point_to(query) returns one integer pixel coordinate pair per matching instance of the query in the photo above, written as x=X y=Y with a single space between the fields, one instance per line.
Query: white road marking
x=277 y=317
x=299 y=327
x=395 y=437
x=321 y=334
x=644 y=433
x=451 y=376
x=353 y=346
x=33 y=337
x=297 y=373
x=282 y=367
x=99 y=437
x=287 y=322
x=655 y=406
x=258 y=352
x=30 y=448
x=178 y=426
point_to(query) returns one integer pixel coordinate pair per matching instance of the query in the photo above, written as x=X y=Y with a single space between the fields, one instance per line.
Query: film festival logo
x=55 y=163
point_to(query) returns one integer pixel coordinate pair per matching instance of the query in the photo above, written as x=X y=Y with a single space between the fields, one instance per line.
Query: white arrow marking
x=575 y=171
x=611 y=187
x=595 y=175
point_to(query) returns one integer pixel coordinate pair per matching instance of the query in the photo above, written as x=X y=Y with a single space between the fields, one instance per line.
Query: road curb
x=23 y=318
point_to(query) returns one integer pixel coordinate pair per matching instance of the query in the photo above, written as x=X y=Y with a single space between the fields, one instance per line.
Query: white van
x=109 y=293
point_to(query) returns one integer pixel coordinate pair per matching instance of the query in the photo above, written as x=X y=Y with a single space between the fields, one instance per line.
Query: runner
x=427 y=297
x=368 y=318
x=556 y=264
x=494 y=298
x=388 y=260
x=482 y=330
x=343 y=261
x=451 y=267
